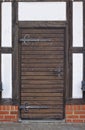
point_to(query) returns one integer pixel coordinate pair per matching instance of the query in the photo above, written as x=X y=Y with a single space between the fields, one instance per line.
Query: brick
x=4 y=112
x=13 y=112
x=8 y=107
x=76 y=107
x=12 y=108
x=1 y=107
x=84 y=121
x=16 y=117
x=68 y=107
x=8 y=113
x=69 y=120
x=79 y=112
x=1 y=117
x=4 y=121
x=75 y=113
x=72 y=116
x=16 y=108
x=69 y=112
x=82 y=116
x=71 y=107
x=78 y=121
x=10 y=117
x=83 y=107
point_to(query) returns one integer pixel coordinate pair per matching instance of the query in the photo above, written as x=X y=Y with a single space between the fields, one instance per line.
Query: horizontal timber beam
x=38 y=0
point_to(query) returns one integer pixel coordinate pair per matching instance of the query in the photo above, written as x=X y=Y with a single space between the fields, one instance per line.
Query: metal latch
x=33 y=40
x=83 y=86
x=26 y=107
x=1 y=86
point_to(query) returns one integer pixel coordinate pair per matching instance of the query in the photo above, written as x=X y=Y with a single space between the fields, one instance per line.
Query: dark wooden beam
x=43 y=0
x=69 y=23
x=6 y=50
x=6 y=101
x=0 y=46
x=84 y=45
x=39 y=0
x=77 y=49
x=34 y=0
x=42 y=24
x=72 y=101
x=15 y=71
x=0 y=40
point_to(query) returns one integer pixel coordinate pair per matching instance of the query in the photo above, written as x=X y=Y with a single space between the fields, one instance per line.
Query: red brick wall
x=75 y=113
x=8 y=113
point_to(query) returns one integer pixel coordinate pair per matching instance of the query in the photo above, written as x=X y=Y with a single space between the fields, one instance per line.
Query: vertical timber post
x=84 y=45
x=15 y=77
x=0 y=46
x=69 y=22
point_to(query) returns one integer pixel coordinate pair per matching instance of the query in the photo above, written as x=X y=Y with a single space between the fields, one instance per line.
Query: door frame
x=14 y=49
x=25 y=24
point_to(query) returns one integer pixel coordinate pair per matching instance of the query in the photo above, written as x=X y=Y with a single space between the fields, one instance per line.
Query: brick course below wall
x=75 y=113
x=8 y=113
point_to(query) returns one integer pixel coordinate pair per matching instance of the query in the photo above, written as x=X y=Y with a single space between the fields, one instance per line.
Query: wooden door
x=42 y=71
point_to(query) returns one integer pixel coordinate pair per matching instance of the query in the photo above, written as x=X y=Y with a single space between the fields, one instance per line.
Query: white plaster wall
x=78 y=24
x=38 y=11
x=6 y=75
x=77 y=75
x=77 y=42
x=6 y=39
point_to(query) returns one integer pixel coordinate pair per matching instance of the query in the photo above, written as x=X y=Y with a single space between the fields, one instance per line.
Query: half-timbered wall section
x=31 y=34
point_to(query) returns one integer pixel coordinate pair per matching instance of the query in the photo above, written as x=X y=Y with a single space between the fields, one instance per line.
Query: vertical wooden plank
x=0 y=41
x=0 y=46
x=15 y=71
x=84 y=45
x=69 y=21
x=70 y=45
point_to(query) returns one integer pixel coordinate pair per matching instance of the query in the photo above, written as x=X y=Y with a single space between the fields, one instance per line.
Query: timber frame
x=14 y=50
x=0 y=46
x=38 y=0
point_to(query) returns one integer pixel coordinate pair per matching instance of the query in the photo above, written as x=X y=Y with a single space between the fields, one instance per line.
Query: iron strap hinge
x=27 y=38
x=34 y=40
x=26 y=107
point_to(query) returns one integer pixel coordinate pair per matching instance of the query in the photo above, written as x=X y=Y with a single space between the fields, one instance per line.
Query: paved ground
x=41 y=126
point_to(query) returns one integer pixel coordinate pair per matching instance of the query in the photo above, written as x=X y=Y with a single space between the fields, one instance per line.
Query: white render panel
x=77 y=24
x=77 y=75
x=6 y=25
x=37 y=11
x=6 y=75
